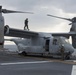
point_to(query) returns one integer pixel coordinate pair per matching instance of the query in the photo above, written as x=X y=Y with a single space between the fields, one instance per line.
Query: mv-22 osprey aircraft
x=37 y=42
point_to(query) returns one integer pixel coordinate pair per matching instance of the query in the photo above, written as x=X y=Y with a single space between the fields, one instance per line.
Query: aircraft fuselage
x=44 y=45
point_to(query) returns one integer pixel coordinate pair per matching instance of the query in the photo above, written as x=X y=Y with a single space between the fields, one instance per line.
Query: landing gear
x=23 y=53
x=65 y=56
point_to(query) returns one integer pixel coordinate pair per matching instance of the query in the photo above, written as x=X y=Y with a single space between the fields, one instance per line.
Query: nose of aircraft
x=69 y=48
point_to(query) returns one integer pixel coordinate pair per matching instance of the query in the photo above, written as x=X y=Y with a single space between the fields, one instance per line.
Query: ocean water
x=11 y=47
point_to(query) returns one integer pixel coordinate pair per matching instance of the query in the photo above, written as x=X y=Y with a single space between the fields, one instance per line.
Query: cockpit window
x=65 y=41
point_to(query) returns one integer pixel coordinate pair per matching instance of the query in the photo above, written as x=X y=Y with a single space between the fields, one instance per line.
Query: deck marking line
x=74 y=61
x=73 y=70
x=14 y=63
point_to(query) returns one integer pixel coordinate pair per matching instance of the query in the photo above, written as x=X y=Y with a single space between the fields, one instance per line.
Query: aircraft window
x=55 y=41
x=65 y=41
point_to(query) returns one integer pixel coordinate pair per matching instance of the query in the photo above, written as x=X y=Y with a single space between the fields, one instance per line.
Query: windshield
x=64 y=40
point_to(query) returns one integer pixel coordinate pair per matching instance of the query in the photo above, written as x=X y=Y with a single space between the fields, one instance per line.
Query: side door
x=47 y=45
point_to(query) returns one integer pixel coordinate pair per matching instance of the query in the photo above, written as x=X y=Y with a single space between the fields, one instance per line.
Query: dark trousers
x=26 y=26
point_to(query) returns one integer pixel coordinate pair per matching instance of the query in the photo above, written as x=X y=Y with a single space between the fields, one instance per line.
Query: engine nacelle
x=6 y=29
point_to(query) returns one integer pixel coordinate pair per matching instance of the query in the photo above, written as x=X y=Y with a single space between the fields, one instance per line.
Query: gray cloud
x=39 y=20
x=66 y=5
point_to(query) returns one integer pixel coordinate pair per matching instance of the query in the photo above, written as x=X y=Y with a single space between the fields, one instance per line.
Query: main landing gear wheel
x=23 y=53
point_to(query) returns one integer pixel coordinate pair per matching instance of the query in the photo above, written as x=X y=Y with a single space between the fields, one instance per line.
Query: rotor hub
x=74 y=20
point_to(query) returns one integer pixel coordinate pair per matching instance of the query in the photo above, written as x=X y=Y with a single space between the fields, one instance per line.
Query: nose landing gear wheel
x=68 y=56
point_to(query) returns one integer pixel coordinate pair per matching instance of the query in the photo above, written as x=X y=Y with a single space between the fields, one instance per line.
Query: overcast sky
x=39 y=21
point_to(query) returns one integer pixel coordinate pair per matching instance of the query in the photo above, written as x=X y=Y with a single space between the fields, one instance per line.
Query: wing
x=20 y=33
x=64 y=34
x=27 y=34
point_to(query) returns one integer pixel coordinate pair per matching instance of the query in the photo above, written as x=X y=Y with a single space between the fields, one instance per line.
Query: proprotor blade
x=59 y=17
x=12 y=11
